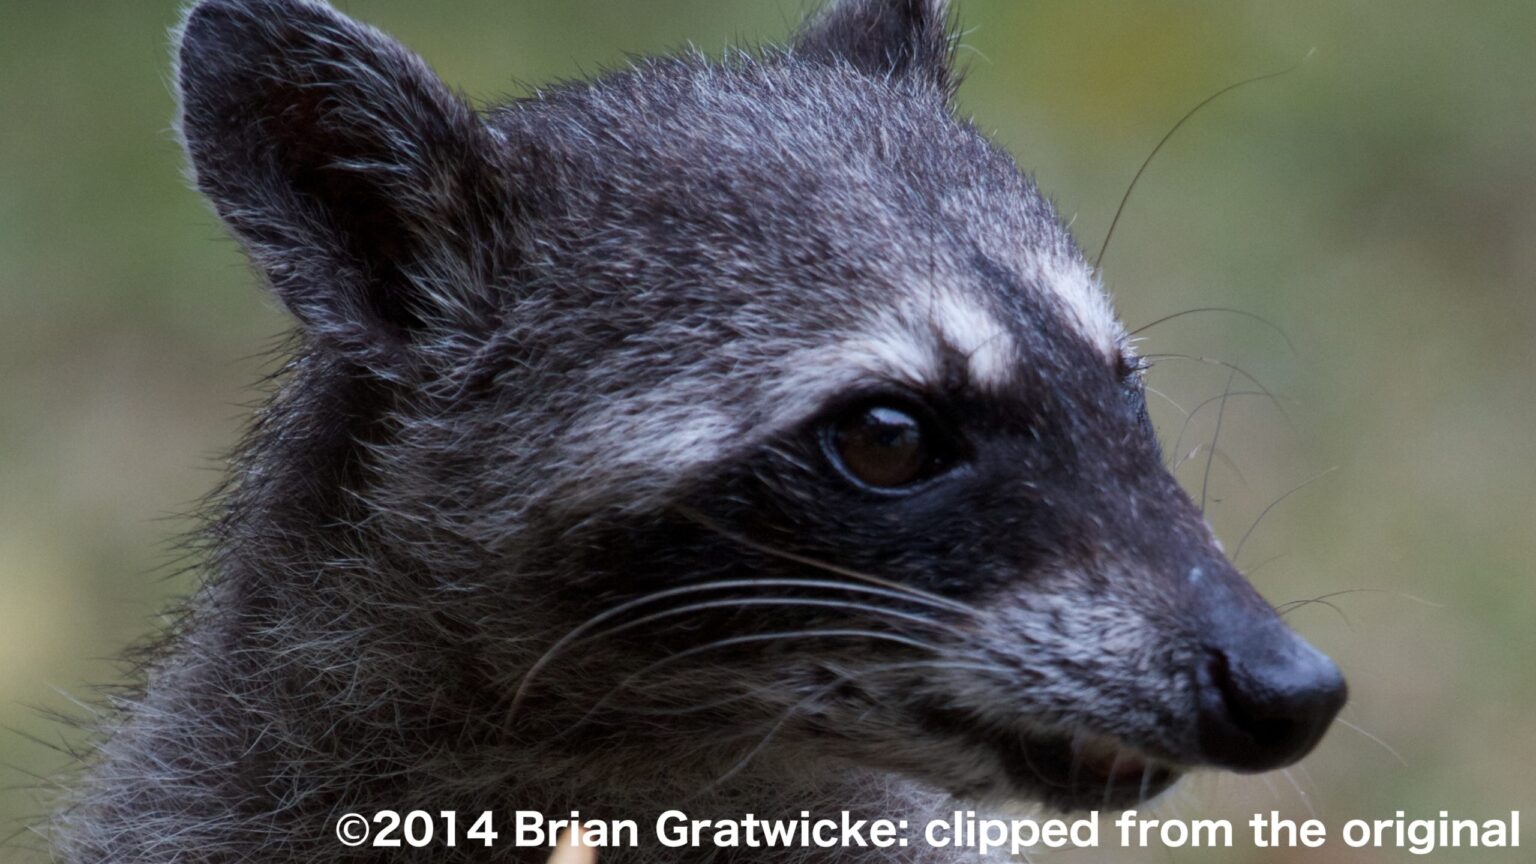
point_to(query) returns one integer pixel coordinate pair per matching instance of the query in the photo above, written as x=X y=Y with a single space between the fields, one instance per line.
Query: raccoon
x=742 y=434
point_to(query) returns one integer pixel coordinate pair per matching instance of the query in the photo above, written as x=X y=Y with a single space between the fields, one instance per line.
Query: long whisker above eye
x=581 y=630
x=748 y=542
x=1098 y=260
x=1225 y=364
x=1228 y=310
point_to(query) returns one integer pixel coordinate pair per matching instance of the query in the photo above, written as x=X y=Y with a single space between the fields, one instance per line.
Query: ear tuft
x=365 y=190
x=907 y=39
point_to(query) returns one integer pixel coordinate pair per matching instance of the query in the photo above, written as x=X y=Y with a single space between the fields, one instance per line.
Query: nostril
x=1247 y=709
x=1251 y=709
x=1258 y=714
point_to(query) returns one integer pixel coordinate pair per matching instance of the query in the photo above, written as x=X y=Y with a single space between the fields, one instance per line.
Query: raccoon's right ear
x=885 y=38
x=372 y=197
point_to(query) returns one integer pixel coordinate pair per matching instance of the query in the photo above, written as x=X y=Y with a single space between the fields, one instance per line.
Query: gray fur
x=562 y=356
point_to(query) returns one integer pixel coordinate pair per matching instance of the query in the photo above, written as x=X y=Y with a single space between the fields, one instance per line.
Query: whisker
x=840 y=632
x=1322 y=599
x=704 y=521
x=1402 y=595
x=836 y=632
x=1265 y=512
x=1248 y=376
x=1285 y=609
x=1193 y=451
x=1384 y=745
x=696 y=707
x=1221 y=455
x=1228 y=310
x=1205 y=484
x=783 y=719
x=1104 y=247
x=1190 y=416
x=734 y=602
x=1109 y=780
x=757 y=748
x=1169 y=399
x=1306 y=777
x=1262 y=564
x=576 y=633
x=1274 y=792
x=1217 y=453
x=1300 y=792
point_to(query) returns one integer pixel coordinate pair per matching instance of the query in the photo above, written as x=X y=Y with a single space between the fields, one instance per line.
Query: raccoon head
x=762 y=394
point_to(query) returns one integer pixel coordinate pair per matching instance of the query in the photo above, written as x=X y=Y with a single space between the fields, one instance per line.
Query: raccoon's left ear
x=371 y=196
x=887 y=38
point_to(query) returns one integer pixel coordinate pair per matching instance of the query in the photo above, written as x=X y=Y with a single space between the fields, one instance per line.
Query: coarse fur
x=543 y=515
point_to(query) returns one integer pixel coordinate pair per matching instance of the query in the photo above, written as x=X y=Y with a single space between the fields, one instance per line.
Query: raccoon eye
x=882 y=446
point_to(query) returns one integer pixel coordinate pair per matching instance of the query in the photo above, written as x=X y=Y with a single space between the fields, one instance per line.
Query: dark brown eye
x=882 y=446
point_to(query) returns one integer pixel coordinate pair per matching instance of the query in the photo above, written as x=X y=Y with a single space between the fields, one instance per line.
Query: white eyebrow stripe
x=907 y=345
x=1078 y=293
x=972 y=330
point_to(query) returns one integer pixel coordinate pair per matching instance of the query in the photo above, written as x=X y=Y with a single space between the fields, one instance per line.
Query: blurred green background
x=1379 y=204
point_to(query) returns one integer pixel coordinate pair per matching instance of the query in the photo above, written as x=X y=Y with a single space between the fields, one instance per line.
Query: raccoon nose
x=1268 y=705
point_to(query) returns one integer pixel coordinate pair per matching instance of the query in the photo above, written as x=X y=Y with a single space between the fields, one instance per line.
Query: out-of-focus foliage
x=1379 y=204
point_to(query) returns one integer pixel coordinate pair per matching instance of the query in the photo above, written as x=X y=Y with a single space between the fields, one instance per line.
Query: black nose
x=1268 y=703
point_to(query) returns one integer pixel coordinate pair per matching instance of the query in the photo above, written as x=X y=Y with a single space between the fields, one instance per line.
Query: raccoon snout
x=1265 y=699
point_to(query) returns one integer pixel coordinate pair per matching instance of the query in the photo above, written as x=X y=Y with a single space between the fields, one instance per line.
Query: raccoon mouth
x=1067 y=771
x=1075 y=772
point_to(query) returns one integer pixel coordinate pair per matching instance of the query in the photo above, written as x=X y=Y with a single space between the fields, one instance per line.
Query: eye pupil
x=882 y=446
